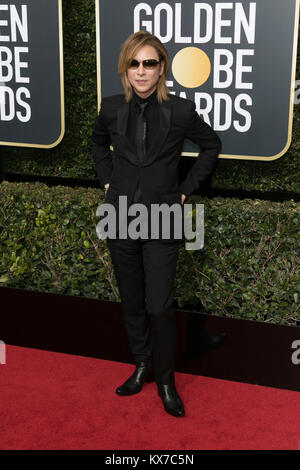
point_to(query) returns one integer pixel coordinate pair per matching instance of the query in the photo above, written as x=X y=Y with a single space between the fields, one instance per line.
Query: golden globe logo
x=223 y=23
x=191 y=67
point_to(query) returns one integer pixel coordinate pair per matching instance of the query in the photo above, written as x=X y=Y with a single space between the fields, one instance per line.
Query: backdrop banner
x=31 y=73
x=236 y=60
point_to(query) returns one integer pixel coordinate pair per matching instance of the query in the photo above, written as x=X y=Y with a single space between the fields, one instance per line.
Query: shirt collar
x=151 y=99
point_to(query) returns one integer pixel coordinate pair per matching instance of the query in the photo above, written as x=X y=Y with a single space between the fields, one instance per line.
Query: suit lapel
x=123 y=113
x=164 y=125
x=125 y=143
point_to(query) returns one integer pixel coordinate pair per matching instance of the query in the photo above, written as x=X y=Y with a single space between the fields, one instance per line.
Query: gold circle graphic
x=191 y=67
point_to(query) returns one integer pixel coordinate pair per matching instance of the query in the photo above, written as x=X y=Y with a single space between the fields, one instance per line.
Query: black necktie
x=141 y=134
x=141 y=130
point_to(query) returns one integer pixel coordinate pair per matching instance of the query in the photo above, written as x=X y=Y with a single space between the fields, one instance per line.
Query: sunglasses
x=147 y=64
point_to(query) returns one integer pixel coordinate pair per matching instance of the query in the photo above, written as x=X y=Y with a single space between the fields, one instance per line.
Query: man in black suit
x=146 y=127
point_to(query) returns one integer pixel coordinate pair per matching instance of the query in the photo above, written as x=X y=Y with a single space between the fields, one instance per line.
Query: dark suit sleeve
x=101 y=152
x=210 y=146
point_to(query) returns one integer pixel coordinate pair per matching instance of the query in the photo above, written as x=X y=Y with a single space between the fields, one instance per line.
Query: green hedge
x=72 y=157
x=249 y=267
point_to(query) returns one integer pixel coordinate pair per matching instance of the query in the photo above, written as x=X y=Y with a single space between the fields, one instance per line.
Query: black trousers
x=145 y=272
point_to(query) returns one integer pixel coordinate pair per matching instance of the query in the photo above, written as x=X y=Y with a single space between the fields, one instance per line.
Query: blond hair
x=128 y=51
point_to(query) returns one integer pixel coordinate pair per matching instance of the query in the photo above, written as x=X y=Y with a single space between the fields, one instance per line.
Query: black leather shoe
x=143 y=373
x=171 y=400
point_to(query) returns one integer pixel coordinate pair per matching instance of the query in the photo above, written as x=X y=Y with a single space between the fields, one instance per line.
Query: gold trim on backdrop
x=291 y=114
x=225 y=156
x=98 y=52
x=62 y=96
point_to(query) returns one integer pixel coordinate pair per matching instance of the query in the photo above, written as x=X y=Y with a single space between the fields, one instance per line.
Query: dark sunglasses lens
x=134 y=64
x=148 y=64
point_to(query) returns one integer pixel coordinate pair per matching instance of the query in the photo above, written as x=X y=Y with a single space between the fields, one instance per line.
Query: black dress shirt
x=151 y=115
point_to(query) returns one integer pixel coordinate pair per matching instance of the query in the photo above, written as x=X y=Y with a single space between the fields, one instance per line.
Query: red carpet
x=58 y=401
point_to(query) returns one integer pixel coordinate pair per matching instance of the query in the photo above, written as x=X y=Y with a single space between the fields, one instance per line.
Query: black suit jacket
x=158 y=176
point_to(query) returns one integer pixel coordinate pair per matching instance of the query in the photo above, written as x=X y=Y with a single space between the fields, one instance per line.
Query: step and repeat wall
x=31 y=73
x=236 y=60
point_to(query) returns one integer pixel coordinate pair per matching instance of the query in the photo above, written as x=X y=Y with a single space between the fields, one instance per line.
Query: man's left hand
x=183 y=196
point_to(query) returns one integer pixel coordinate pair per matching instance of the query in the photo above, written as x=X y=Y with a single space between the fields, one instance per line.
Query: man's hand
x=106 y=186
x=183 y=196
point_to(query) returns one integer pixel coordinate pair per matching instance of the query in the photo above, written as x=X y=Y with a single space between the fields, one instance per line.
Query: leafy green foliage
x=249 y=266
x=49 y=243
